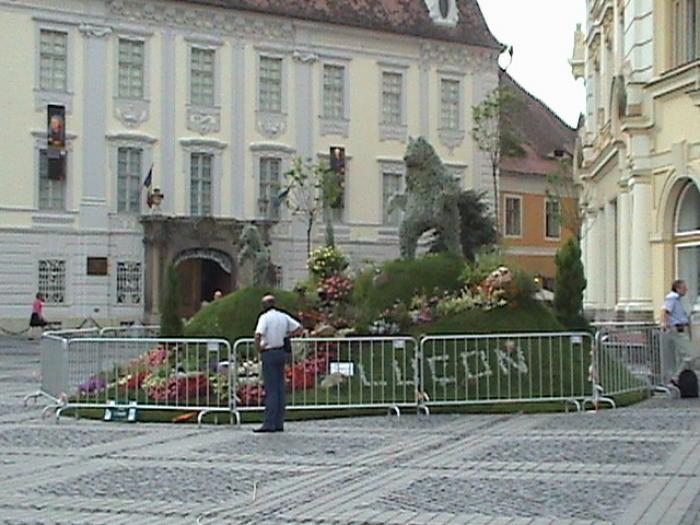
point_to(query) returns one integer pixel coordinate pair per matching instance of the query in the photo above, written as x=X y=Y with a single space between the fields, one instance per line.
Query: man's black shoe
x=259 y=430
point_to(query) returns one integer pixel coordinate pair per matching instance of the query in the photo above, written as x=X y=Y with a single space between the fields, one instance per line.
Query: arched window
x=444 y=8
x=688 y=211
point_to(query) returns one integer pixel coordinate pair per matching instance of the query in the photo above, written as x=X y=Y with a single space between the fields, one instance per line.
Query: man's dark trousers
x=273 y=362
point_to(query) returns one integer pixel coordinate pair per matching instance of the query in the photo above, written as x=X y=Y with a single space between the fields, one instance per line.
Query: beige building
x=639 y=152
x=218 y=98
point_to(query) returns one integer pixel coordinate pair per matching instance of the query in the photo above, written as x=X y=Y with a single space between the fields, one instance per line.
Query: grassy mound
x=401 y=280
x=235 y=315
x=532 y=316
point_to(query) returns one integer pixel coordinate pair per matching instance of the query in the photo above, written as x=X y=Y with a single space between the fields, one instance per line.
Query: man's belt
x=680 y=328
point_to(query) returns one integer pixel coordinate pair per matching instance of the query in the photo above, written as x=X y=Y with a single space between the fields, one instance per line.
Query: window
x=449 y=98
x=270 y=90
x=51 y=192
x=513 y=217
x=444 y=8
x=552 y=219
x=391 y=186
x=53 y=60
x=685 y=31
x=688 y=210
x=129 y=171
x=52 y=280
x=268 y=202
x=131 y=67
x=202 y=76
x=200 y=183
x=333 y=92
x=391 y=98
x=128 y=282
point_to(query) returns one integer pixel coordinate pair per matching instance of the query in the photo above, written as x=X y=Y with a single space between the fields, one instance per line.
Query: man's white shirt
x=273 y=326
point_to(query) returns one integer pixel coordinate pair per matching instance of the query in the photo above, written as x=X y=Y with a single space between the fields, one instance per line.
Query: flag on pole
x=148 y=184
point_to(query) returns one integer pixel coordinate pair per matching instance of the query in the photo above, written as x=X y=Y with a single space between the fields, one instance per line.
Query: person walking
x=37 y=319
x=272 y=329
x=679 y=349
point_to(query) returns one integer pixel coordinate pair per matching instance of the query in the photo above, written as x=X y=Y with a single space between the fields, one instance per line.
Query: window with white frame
x=391 y=187
x=53 y=60
x=268 y=201
x=270 y=84
x=129 y=169
x=200 y=183
x=552 y=219
x=51 y=192
x=513 y=213
x=333 y=92
x=392 y=84
x=685 y=31
x=131 y=68
x=202 y=76
x=449 y=103
x=52 y=280
x=128 y=282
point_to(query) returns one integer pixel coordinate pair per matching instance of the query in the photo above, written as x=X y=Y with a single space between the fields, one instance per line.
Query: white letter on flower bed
x=398 y=376
x=444 y=380
x=484 y=369
x=505 y=361
x=365 y=381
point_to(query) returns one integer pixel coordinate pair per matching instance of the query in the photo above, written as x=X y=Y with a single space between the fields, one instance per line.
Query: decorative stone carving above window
x=451 y=138
x=131 y=113
x=203 y=120
x=271 y=124
x=467 y=58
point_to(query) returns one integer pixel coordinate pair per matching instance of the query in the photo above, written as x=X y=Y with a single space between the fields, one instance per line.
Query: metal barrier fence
x=139 y=331
x=394 y=373
x=627 y=359
x=331 y=373
x=505 y=368
x=155 y=373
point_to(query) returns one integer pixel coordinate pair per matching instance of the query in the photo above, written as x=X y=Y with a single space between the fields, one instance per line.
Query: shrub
x=171 y=322
x=570 y=284
x=327 y=261
x=235 y=315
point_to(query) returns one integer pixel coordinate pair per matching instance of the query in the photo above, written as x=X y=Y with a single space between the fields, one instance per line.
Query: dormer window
x=443 y=12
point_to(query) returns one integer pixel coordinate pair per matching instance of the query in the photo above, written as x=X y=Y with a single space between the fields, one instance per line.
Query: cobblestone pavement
x=633 y=465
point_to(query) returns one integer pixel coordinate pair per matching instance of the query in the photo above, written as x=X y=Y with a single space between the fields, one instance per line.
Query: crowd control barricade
x=191 y=375
x=627 y=359
x=138 y=331
x=505 y=368
x=335 y=373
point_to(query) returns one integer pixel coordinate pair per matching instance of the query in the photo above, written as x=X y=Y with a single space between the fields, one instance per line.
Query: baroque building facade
x=639 y=153
x=214 y=99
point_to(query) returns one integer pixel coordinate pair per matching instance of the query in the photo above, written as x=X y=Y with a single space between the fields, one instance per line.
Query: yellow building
x=217 y=98
x=639 y=155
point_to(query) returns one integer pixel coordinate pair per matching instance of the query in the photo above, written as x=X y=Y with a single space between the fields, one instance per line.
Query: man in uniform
x=273 y=326
x=675 y=320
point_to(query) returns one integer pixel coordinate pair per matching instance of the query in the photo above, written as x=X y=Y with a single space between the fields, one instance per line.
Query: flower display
x=179 y=388
x=335 y=288
x=327 y=261
x=92 y=385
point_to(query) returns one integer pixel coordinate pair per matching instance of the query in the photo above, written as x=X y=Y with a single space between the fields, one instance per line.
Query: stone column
x=166 y=172
x=94 y=212
x=424 y=98
x=640 y=261
x=624 y=227
x=238 y=145
x=304 y=93
x=610 y=254
x=585 y=257
x=599 y=254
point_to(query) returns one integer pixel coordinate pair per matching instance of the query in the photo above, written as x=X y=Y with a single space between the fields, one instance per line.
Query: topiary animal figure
x=252 y=248
x=430 y=201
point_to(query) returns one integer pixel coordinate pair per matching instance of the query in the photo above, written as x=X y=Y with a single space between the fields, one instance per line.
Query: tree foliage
x=570 y=284
x=477 y=225
x=171 y=322
x=311 y=191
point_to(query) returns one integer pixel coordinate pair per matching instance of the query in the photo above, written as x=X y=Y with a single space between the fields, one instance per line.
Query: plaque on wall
x=97 y=266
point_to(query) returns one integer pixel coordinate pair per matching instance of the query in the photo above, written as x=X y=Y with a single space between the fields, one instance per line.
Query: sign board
x=128 y=413
x=576 y=339
x=399 y=344
x=346 y=369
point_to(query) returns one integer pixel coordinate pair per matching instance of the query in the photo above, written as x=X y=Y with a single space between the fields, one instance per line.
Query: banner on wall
x=56 y=141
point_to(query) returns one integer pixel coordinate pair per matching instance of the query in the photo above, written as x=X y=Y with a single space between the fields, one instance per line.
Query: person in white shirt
x=273 y=326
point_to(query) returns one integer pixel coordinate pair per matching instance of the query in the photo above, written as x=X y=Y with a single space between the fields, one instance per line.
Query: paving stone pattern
x=637 y=465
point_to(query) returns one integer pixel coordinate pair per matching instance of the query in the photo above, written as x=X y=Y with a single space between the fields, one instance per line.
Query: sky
x=542 y=35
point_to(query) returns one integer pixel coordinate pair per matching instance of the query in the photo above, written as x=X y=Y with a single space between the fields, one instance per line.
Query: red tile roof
x=541 y=131
x=408 y=17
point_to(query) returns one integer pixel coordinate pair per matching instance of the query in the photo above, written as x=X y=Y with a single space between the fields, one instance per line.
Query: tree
x=170 y=321
x=494 y=134
x=570 y=284
x=561 y=188
x=311 y=191
x=477 y=225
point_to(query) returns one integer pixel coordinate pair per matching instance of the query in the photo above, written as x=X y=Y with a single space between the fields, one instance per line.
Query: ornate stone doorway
x=202 y=271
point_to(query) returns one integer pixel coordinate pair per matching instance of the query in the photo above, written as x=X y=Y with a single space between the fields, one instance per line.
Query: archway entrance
x=686 y=240
x=202 y=272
